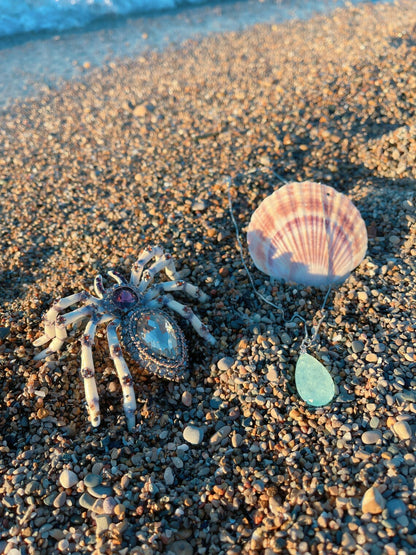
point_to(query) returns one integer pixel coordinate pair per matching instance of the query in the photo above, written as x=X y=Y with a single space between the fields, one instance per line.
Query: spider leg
x=50 y=317
x=126 y=381
x=55 y=345
x=187 y=313
x=56 y=331
x=168 y=266
x=143 y=259
x=117 y=277
x=178 y=285
x=99 y=287
x=88 y=372
x=164 y=262
x=87 y=367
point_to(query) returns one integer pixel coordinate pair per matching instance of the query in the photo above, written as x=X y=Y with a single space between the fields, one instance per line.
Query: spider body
x=137 y=310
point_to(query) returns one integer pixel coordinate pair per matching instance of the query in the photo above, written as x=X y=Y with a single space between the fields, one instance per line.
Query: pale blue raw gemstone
x=157 y=333
x=313 y=381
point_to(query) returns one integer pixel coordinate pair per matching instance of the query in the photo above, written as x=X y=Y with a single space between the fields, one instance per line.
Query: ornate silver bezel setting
x=163 y=366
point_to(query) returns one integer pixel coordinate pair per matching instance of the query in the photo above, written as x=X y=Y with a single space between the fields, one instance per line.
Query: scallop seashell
x=307 y=233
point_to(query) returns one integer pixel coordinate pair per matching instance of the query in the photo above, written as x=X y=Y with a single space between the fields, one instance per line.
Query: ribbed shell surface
x=307 y=233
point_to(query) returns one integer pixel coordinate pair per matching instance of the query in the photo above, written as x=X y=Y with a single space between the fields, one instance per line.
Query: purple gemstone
x=124 y=297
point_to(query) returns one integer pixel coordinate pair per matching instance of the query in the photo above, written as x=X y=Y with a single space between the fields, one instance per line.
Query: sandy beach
x=229 y=460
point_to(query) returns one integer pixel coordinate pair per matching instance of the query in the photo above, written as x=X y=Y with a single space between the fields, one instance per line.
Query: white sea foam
x=25 y=16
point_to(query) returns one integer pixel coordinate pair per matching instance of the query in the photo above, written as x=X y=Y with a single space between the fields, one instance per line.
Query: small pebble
x=68 y=478
x=62 y=545
x=222 y=235
x=181 y=547
x=193 y=434
x=402 y=521
x=357 y=346
x=371 y=357
x=48 y=500
x=98 y=506
x=348 y=541
x=100 y=491
x=87 y=501
x=362 y=296
x=91 y=480
x=199 y=205
x=396 y=508
x=102 y=524
x=59 y=500
x=374 y=422
x=402 y=430
x=221 y=434
x=4 y=332
x=137 y=459
x=140 y=111
x=186 y=398
x=272 y=375
x=373 y=502
x=109 y=504
x=178 y=462
x=169 y=476
x=97 y=468
x=225 y=364
x=120 y=510
x=236 y=440
x=371 y=436
x=56 y=534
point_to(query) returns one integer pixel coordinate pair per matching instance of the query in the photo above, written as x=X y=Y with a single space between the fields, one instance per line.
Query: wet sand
x=229 y=460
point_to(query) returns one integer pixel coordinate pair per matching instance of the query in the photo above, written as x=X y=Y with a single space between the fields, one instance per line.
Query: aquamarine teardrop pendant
x=313 y=381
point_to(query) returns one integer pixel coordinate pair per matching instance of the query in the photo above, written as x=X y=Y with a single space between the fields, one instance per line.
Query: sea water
x=24 y=16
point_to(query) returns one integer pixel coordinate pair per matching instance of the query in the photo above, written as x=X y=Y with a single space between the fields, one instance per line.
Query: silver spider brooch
x=148 y=333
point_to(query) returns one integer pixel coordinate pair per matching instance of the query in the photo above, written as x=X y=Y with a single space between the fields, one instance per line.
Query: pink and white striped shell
x=307 y=233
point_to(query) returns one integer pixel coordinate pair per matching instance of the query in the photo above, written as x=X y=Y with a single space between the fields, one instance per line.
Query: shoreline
x=34 y=64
